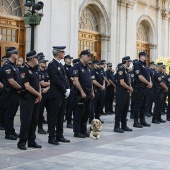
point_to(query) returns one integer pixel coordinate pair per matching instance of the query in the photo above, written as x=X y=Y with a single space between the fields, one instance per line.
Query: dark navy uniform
x=58 y=87
x=45 y=102
x=12 y=96
x=122 y=98
x=164 y=77
x=158 y=96
x=28 y=108
x=142 y=90
x=168 y=108
x=109 y=92
x=97 y=75
x=82 y=104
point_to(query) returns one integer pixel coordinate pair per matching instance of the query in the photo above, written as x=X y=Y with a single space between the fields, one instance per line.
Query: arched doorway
x=12 y=30
x=143 y=40
x=89 y=32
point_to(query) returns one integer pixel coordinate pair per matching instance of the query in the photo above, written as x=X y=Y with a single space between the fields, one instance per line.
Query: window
x=10 y=7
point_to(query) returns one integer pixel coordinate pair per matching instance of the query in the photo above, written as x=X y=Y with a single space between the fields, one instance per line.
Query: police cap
x=103 y=61
x=68 y=56
x=11 y=50
x=59 y=48
x=96 y=62
x=160 y=64
x=76 y=60
x=85 y=52
x=142 y=54
x=31 y=54
x=109 y=64
x=127 y=58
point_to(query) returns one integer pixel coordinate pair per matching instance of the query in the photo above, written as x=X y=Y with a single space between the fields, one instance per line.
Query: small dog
x=95 y=129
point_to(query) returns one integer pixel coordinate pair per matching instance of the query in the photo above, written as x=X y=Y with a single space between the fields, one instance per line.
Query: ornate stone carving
x=3 y=10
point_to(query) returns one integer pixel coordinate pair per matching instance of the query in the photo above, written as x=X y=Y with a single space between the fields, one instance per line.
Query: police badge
x=82 y=70
x=30 y=71
x=59 y=68
x=120 y=73
x=8 y=71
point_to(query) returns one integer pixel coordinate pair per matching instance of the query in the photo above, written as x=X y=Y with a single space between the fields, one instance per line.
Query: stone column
x=104 y=47
x=153 y=53
x=169 y=37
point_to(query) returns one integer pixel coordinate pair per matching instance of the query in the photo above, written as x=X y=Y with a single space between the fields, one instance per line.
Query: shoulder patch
x=75 y=71
x=159 y=78
x=92 y=77
x=8 y=71
x=137 y=71
x=132 y=75
x=29 y=71
x=40 y=77
x=22 y=75
x=120 y=73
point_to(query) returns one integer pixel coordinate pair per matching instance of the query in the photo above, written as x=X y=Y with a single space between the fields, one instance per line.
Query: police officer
x=29 y=106
x=150 y=95
x=110 y=90
x=158 y=90
x=59 y=91
x=168 y=107
x=98 y=86
x=142 y=83
x=84 y=93
x=133 y=96
x=45 y=86
x=2 y=97
x=69 y=70
x=11 y=81
x=122 y=96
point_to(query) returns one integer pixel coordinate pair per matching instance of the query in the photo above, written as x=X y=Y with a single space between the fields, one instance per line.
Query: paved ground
x=142 y=149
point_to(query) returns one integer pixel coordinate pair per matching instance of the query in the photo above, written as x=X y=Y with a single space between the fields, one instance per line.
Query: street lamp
x=33 y=16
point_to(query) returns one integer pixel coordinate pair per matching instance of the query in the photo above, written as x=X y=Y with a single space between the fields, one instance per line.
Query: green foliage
x=166 y=62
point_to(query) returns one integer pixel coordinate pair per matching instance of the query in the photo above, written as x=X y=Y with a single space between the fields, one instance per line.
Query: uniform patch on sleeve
x=137 y=71
x=169 y=79
x=40 y=77
x=120 y=73
x=159 y=78
x=132 y=75
x=75 y=71
x=92 y=77
x=8 y=71
x=22 y=75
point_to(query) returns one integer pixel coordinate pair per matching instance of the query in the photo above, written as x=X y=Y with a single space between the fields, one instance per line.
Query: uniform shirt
x=110 y=75
x=103 y=72
x=168 y=81
x=43 y=75
x=122 y=73
x=157 y=79
x=132 y=76
x=141 y=69
x=0 y=74
x=29 y=75
x=58 y=79
x=164 y=78
x=10 y=70
x=83 y=73
x=69 y=71
x=97 y=75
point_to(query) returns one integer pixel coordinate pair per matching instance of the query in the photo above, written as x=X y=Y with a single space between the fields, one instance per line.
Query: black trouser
x=122 y=105
x=103 y=98
x=149 y=101
x=45 y=103
x=96 y=104
x=168 y=109
x=158 y=100
x=56 y=117
x=109 y=99
x=133 y=100
x=165 y=94
x=81 y=114
x=71 y=105
x=3 y=102
x=12 y=103
x=140 y=104
x=29 y=119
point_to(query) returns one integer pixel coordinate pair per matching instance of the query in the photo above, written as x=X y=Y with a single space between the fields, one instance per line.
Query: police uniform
x=2 y=98
x=158 y=92
x=97 y=75
x=109 y=91
x=168 y=108
x=11 y=94
x=149 y=101
x=28 y=108
x=59 y=86
x=82 y=72
x=45 y=101
x=142 y=90
x=69 y=72
x=122 y=99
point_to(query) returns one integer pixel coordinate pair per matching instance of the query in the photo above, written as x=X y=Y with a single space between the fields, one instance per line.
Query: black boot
x=143 y=122
x=137 y=124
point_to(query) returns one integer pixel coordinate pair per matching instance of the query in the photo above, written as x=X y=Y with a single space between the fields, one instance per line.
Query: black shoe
x=146 y=124
x=112 y=112
x=17 y=135
x=22 y=147
x=148 y=114
x=70 y=125
x=53 y=142
x=1 y=127
x=62 y=139
x=118 y=130
x=127 y=129
x=86 y=134
x=161 y=120
x=104 y=113
x=34 y=145
x=155 y=121
x=79 y=135
x=162 y=113
x=41 y=131
x=44 y=121
x=11 y=137
x=137 y=125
